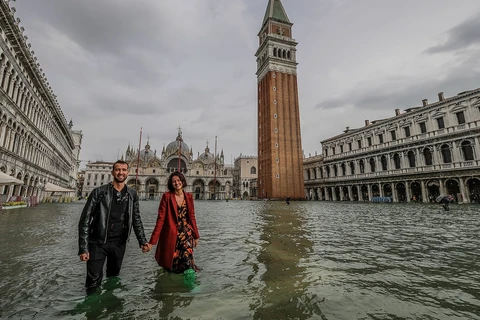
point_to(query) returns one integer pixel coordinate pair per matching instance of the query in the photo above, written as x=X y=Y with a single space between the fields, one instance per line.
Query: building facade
x=279 y=139
x=245 y=171
x=416 y=155
x=208 y=177
x=37 y=146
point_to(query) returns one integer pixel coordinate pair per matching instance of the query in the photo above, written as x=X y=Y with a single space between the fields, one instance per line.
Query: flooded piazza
x=259 y=260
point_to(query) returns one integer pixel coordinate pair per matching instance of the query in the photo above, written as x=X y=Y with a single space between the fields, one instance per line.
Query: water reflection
x=285 y=283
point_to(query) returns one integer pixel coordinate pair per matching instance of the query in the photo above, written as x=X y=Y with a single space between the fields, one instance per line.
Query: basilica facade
x=416 y=155
x=207 y=175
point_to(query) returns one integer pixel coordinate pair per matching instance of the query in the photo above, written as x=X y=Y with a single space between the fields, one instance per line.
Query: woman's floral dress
x=183 y=255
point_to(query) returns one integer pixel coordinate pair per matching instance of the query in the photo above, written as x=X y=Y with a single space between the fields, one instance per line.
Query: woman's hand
x=195 y=242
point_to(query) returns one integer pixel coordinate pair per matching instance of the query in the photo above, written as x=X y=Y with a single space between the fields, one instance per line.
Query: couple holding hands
x=112 y=211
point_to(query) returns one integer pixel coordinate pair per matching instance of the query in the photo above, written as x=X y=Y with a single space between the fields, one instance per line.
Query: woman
x=176 y=229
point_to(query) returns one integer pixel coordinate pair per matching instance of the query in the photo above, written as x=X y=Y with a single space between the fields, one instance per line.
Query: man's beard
x=117 y=180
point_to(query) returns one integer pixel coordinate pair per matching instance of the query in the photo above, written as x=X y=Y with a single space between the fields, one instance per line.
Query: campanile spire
x=280 y=160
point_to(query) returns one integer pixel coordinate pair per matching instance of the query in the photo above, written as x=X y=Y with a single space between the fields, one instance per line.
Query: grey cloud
x=408 y=92
x=460 y=37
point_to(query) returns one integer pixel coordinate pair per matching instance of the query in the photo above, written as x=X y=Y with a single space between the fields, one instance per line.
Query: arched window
x=284 y=54
x=352 y=167
x=328 y=172
x=289 y=56
x=427 y=154
x=335 y=170
x=467 y=151
x=446 y=154
x=308 y=174
x=396 y=159
x=274 y=52
x=253 y=170
x=344 y=169
x=372 y=165
x=411 y=159
x=384 y=163
x=362 y=166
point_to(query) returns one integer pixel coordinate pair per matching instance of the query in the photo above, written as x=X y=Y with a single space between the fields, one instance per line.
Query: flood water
x=260 y=260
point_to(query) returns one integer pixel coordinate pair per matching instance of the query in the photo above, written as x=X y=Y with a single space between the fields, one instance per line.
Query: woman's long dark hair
x=180 y=176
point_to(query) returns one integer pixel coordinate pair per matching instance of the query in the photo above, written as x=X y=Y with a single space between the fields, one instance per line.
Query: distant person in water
x=288 y=200
x=109 y=215
x=176 y=232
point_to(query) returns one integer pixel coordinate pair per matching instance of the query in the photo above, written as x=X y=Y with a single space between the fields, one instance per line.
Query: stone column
x=350 y=193
x=380 y=189
x=369 y=188
x=2 y=134
x=407 y=190
x=10 y=191
x=359 y=193
x=456 y=156
x=465 y=198
x=327 y=196
x=334 y=195
x=394 y=193
x=425 y=196
x=442 y=187
x=476 y=147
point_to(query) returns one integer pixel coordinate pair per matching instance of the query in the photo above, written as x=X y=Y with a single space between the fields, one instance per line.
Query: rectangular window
x=359 y=143
x=393 y=135
x=407 y=131
x=369 y=141
x=380 y=138
x=349 y=146
x=341 y=148
x=326 y=152
x=423 y=127
x=460 y=117
x=333 y=150
x=441 y=124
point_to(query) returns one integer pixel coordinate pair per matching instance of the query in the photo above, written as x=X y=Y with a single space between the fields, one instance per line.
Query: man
x=109 y=215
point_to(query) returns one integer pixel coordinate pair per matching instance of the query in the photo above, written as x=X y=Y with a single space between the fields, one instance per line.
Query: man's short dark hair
x=120 y=162
x=180 y=176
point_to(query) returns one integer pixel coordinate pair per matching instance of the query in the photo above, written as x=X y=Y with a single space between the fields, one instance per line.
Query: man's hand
x=146 y=247
x=85 y=256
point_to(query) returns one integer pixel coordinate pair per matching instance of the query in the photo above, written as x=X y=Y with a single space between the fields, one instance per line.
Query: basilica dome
x=147 y=154
x=206 y=157
x=174 y=146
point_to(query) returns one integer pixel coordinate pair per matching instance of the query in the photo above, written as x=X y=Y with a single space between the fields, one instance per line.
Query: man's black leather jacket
x=92 y=227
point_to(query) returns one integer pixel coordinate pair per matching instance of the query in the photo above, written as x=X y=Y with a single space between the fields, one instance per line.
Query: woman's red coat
x=165 y=231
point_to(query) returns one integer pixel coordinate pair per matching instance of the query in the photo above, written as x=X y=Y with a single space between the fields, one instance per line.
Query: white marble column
x=394 y=193
x=424 y=192
x=465 y=198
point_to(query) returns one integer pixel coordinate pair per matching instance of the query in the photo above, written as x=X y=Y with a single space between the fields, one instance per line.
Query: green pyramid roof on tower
x=275 y=11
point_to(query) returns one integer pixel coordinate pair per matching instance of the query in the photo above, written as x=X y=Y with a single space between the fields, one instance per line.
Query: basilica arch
x=198 y=189
x=152 y=189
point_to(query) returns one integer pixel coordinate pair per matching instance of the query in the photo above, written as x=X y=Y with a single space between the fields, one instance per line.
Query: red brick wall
x=288 y=137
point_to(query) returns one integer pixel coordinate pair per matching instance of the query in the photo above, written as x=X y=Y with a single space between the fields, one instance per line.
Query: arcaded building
x=279 y=139
x=244 y=177
x=37 y=145
x=415 y=155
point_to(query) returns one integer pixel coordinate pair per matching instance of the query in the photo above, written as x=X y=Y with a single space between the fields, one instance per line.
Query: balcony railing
x=402 y=171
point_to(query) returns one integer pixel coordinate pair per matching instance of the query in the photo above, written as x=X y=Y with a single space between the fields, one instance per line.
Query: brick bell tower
x=280 y=159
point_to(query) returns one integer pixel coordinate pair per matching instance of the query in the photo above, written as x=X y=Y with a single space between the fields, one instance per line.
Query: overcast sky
x=119 y=65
